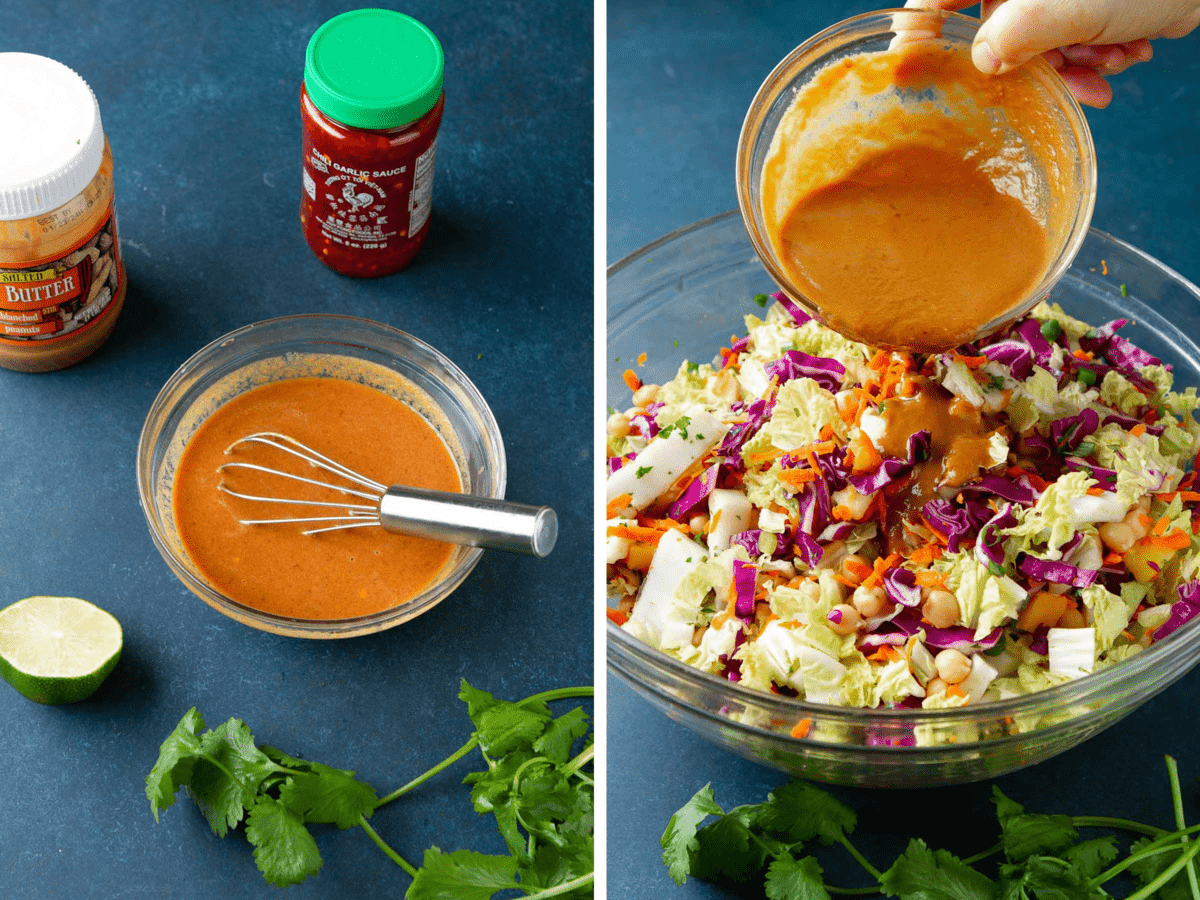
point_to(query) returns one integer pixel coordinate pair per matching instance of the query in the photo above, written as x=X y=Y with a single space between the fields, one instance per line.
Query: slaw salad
x=819 y=519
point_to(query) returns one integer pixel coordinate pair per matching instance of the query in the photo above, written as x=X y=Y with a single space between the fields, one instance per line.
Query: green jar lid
x=373 y=68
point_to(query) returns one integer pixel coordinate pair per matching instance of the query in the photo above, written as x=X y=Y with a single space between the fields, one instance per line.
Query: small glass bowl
x=1066 y=212
x=681 y=297
x=326 y=346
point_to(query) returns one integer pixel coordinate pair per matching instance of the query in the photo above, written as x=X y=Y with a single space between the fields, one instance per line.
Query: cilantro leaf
x=795 y=879
x=283 y=849
x=502 y=726
x=803 y=812
x=679 y=840
x=923 y=874
x=462 y=875
x=328 y=795
x=1146 y=868
x=561 y=735
x=176 y=757
x=725 y=853
x=226 y=779
x=552 y=866
x=1090 y=858
x=1046 y=878
x=1028 y=834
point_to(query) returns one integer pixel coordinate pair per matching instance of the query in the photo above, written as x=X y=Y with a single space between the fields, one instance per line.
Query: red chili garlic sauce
x=900 y=206
x=367 y=193
x=276 y=568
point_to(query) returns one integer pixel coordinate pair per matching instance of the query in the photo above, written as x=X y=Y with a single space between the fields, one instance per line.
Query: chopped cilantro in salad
x=884 y=529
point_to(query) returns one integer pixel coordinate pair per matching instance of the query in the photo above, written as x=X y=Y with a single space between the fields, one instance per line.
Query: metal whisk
x=453 y=518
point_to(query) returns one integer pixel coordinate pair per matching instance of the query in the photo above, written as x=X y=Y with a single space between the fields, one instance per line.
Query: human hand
x=1085 y=40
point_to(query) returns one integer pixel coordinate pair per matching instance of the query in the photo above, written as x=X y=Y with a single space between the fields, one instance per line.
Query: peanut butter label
x=56 y=298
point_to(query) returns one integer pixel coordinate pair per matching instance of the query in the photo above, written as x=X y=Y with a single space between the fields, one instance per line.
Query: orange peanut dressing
x=959 y=449
x=276 y=568
x=911 y=221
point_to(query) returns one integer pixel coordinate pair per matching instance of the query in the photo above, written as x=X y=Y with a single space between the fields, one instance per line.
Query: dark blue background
x=201 y=105
x=680 y=78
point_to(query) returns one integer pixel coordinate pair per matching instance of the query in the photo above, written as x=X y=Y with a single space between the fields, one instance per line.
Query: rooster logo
x=356 y=201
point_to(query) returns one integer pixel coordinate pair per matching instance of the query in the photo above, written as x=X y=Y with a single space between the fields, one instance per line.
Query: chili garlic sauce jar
x=62 y=279
x=370 y=104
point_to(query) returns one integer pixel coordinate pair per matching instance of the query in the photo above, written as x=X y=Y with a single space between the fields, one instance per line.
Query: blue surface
x=680 y=77
x=201 y=105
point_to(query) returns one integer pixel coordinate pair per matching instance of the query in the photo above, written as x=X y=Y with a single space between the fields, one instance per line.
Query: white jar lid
x=51 y=139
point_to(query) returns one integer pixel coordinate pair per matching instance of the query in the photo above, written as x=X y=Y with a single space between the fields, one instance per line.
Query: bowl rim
x=776 y=85
x=1098 y=685
x=431 y=595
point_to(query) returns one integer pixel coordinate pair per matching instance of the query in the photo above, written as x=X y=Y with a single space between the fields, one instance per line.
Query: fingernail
x=985 y=58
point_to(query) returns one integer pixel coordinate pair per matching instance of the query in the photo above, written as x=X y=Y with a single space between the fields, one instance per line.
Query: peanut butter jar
x=62 y=278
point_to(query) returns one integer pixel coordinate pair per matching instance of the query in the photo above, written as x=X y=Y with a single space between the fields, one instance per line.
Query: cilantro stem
x=858 y=857
x=564 y=888
x=446 y=763
x=545 y=697
x=1164 y=843
x=990 y=851
x=573 y=767
x=1166 y=875
x=1118 y=825
x=1180 y=822
x=382 y=845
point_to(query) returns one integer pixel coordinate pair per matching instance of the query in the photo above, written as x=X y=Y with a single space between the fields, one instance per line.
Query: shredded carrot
x=886 y=653
x=930 y=578
x=850 y=583
x=1144 y=520
x=1103 y=267
x=856 y=569
x=631 y=380
x=923 y=556
x=616 y=616
x=1160 y=527
x=1084 y=355
x=795 y=478
x=1113 y=559
x=971 y=362
x=800 y=729
x=826 y=432
x=1176 y=540
x=1138 y=430
x=616 y=504
x=882 y=564
x=1096 y=491
x=842 y=513
x=641 y=360
x=642 y=534
x=953 y=690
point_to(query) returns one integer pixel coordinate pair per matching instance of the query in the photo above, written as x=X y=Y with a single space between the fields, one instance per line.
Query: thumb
x=1018 y=30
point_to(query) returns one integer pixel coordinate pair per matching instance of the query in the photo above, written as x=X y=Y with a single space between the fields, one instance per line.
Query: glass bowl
x=325 y=346
x=682 y=297
x=1058 y=160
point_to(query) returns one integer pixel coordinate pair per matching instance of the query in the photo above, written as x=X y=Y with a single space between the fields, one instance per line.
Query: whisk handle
x=473 y=521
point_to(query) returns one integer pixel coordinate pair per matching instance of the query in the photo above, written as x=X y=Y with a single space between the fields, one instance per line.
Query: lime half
x=57 y=649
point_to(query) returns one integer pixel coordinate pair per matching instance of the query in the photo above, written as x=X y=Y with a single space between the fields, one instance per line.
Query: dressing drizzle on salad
x=859 y=527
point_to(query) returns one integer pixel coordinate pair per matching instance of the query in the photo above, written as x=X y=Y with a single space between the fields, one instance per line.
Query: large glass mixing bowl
x=682 y=297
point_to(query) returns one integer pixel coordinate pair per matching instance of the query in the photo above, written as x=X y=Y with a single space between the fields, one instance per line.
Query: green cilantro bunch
x=537 y=782
x=1037 y=857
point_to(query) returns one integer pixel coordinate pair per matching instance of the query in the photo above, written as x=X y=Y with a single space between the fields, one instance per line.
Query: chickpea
x=698 y=524
x=1072 y=618
x=844 y=619
x=1117 y=536
x=953 y=666
x=935 y=686
x=941 y=609
x=617 y=425
x=855 y=562
x=725 y=385
x=645 y=395
x=869 y=601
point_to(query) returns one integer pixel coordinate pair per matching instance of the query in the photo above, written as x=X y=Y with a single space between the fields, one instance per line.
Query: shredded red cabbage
x=745 y=576
x=799 y=316
x=1056 y=571
x=695 y=493
x=1182 y=610
x=828 y=373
